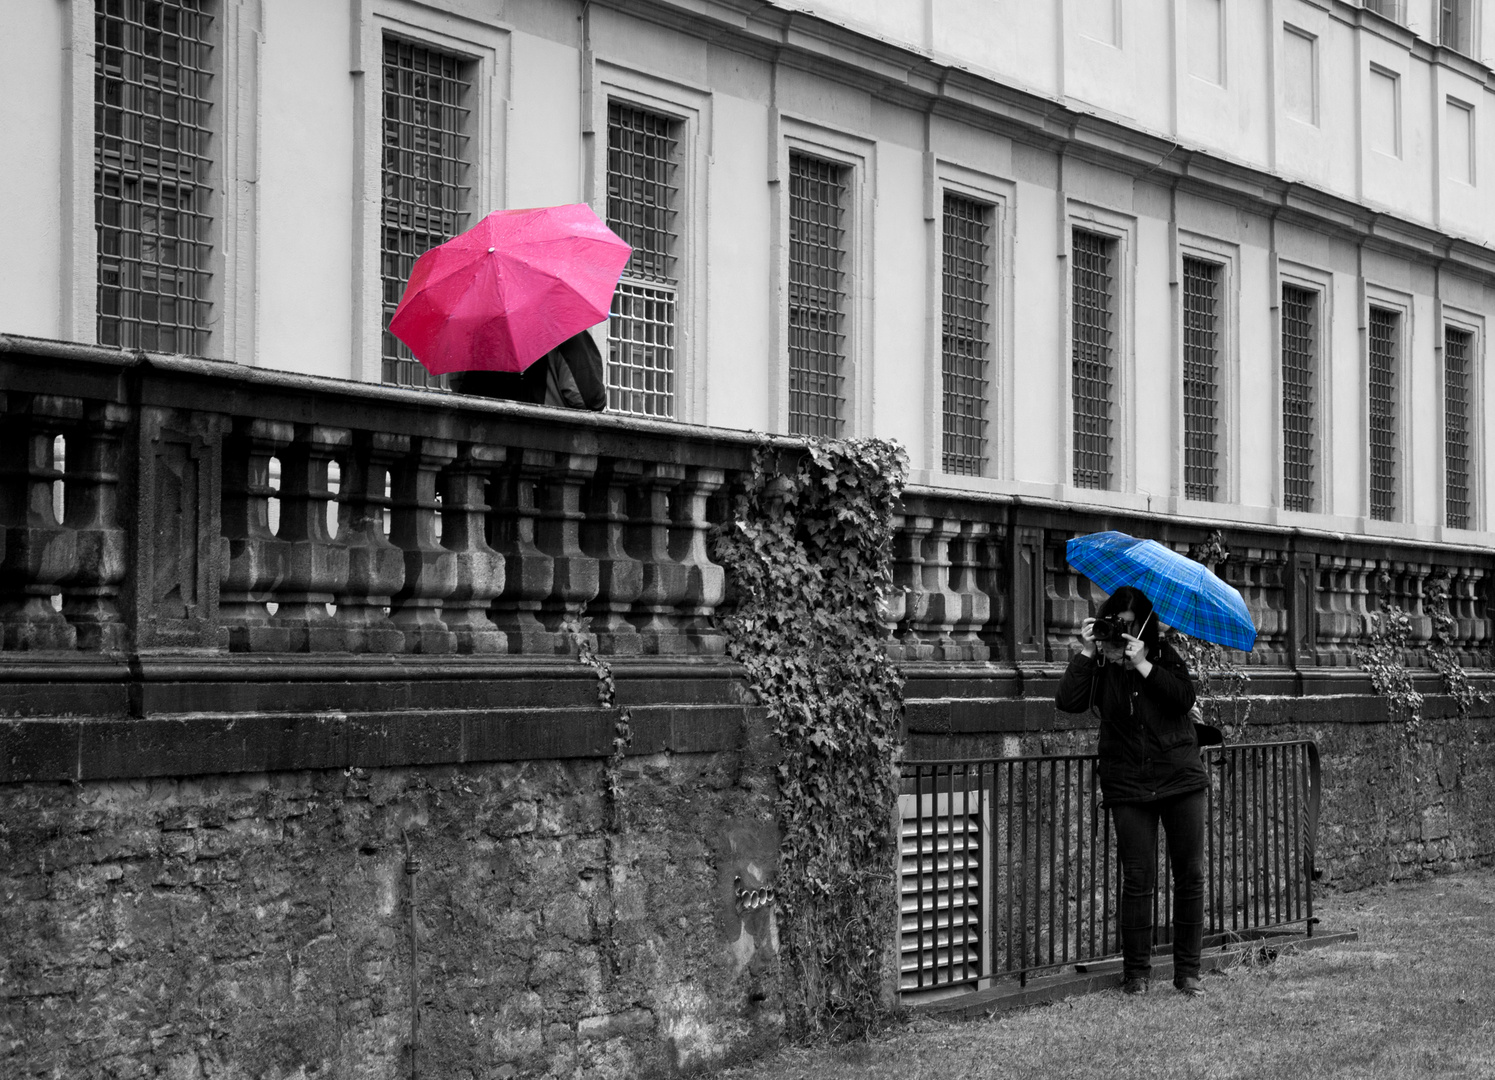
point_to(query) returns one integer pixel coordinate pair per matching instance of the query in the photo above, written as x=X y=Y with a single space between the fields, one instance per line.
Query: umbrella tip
x=491 y=250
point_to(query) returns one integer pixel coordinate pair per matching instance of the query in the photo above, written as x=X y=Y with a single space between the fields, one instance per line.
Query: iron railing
x=1009 y=864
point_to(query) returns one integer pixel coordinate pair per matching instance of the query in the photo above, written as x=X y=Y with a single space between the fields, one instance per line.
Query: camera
x=1108 y=628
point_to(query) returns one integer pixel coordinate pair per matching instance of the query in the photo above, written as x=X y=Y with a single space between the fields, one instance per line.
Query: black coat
x=1147 y=745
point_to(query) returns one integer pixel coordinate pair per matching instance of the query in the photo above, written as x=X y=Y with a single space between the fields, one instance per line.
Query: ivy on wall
x=807 y=553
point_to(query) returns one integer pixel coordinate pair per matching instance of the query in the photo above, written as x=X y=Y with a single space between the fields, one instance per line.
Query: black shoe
x=1134 y=984
x=1189 y=988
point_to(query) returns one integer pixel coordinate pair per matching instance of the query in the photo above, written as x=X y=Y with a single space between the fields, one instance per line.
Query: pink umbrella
x=510 y=289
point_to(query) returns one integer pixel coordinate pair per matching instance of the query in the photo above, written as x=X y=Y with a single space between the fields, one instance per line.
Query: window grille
x=425 y=175
x=1093 y=357
x=966 y=332
x=1383 y=433
x=817 y=295
x=643 y=199
x=1299 y=404
x=1457 y=346
x=152 y=193
x=1454 y=24
x=1202 y=281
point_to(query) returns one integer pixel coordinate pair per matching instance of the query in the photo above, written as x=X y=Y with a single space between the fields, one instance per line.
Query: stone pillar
x=255 y=559
x=39 y=553
x=620 y=577
x=908 y=574
x=1068 y=596
x=706 y=581
x=973 y=605
x=430 y=569
x=894 y=606
x=480 y=569
x=90 y=598
x=529 y=573
x=574 y=573
x=666 y=580
x=994 y=579
x=376 y=567
x=316 y=565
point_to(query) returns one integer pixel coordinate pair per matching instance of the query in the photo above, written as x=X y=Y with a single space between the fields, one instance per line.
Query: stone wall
x=258 y=925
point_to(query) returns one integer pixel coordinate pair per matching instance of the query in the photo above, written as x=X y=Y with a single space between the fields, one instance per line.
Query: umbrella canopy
x=510 y=289
x=1186 y=595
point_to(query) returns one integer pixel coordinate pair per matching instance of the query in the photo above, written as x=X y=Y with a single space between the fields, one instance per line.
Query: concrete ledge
x=1103 y=975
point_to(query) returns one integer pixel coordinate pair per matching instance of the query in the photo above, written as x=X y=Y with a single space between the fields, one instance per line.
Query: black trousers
x=1182 y=818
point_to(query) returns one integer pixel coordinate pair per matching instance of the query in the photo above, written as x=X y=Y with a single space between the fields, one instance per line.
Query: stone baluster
x=38 y=552
x=558 y=520
x=993 y=578
x=90 y=598
x=529 y=573
x=254 y=557
x=1471 y=627
x=974 y=605
x=666 y=580
x=908 y=575
x=376 y=568
x=430 y=569
x=706 y=581
x=1070 y=599
x=1409 y=581
x=620 y=577
x=894 y=606
x=1259 y=575
x=316 y=564
x=480 y=569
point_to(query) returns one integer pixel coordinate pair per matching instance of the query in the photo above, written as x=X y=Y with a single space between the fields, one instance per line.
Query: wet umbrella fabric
x=510 y=289
x=1186 y=595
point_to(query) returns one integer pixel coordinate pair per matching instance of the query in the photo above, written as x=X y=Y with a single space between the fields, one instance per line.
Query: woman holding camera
x=1150 y=774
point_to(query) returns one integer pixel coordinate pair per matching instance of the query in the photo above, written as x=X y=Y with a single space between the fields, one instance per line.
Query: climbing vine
x=806 y=551
x=1440 y=653
x=1383 y=656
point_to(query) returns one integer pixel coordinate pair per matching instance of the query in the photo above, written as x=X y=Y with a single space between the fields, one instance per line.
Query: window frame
x=788 y=135
x=1468 y=322
x=1226 y=256
x=1120 y=229
x=486 y=47
x=1321 y=283
x=1400 y=305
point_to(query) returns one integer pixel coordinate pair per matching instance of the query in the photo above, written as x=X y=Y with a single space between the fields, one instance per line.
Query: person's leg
x=1183 y=824
x=1137 y=851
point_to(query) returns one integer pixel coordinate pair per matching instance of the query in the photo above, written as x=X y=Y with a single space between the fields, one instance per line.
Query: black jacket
x=1147 y=745
x=568 y=376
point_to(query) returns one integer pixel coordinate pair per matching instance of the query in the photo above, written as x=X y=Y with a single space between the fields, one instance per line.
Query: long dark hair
x=1134 y=600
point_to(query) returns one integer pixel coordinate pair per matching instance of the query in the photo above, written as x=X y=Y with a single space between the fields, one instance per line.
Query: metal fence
x=1009 y=864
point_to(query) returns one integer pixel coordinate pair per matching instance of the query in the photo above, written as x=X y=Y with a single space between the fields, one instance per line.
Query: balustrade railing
x=414 y=522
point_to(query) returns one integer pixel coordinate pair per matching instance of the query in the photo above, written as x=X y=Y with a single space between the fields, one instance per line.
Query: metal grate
x=1457 y=346
x=1202 y=281
x=643 y=199
x=1092 y=357
x=1383 y=420
x=1299 y=375
x=817 y=295
x=425 y=176
x=966 y=333
x=151 y=173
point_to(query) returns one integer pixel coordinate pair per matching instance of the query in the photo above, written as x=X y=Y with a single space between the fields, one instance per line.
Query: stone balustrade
x=218 y=510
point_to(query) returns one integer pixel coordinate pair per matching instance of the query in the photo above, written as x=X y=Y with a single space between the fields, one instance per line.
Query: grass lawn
x=1413 y=998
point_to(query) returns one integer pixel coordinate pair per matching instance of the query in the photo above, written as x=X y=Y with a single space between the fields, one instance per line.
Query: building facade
x=1210 y=258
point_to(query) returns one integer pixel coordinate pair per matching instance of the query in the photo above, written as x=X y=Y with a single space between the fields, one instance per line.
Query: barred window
x=426 y=176
x=1299 y=400
x=1383 y=349
x=1202 y=286
x=1092 y=356
x=817 y=295
x=966 y=333
x=1457 y=391
x=152 y=198
x=643 y=197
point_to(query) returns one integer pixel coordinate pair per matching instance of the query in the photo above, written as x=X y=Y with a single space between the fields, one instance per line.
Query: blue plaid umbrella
x=1185 y=594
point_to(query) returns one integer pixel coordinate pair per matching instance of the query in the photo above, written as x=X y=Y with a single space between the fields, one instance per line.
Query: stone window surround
x=1226 y=255
x=793 y=134
x=1454 y=318
x=1400 y=303
x=603 y=81
x=487 y=47
x=1000 y=195
x=1320 y=282
x=1122 y=230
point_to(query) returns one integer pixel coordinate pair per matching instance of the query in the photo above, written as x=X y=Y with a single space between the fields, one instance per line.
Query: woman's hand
x=1136 y=655
x=1087 y=637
